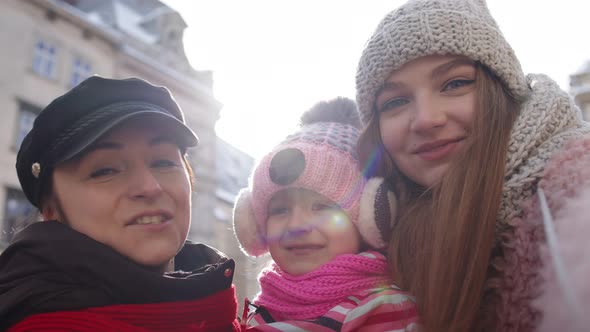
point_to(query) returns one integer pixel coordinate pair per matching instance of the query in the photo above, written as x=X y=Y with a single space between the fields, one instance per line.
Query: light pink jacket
x=532 y=296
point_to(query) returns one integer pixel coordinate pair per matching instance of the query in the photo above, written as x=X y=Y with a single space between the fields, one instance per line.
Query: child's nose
x=300 y=222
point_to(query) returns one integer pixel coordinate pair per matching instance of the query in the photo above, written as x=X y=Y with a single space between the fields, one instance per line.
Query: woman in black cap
x=106 y=166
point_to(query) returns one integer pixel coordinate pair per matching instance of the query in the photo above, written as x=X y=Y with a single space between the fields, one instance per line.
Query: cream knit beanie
x=435 y=27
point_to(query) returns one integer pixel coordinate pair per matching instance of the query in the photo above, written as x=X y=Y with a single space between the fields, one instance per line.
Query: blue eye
x=393 y=103
x=101 y=172
x=455 y=84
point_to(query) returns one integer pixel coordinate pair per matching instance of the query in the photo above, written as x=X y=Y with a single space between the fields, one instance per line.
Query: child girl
x=308 y=205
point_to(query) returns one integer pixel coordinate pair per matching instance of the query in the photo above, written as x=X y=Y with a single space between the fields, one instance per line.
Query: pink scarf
x=311 y=295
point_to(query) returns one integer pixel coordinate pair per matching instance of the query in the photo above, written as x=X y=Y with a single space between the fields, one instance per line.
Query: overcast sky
x=274 y=59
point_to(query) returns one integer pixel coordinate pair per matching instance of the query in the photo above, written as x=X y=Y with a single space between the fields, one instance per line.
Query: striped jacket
x=373 y=310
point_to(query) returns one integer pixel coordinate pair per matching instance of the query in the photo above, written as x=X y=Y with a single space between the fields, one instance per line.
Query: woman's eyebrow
x=388 y=86
x=103 y=146
x=164 y=139
x=106 y=145
x=445 y=67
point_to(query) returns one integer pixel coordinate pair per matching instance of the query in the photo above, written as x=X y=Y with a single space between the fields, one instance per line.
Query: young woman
x=106 y=166
x=467 y=140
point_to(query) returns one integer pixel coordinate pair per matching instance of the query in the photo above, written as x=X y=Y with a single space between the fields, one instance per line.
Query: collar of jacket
x=50 y=267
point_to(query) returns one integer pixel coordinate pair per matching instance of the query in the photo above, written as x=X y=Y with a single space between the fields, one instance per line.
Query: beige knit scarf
x=548 y=119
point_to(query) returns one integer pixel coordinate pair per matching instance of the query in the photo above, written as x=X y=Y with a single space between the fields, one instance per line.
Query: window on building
x=18 y=213
x=26 y=116
x=81 y=70
x=45 y=59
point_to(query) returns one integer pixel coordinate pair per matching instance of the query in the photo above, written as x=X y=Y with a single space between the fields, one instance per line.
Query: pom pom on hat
x=340 y=109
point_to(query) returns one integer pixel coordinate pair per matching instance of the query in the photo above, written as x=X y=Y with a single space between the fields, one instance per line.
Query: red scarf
x=311 y=295
x=215 y=313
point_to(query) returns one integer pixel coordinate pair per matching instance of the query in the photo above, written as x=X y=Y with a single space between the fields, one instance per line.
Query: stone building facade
x=232 y=174
x=580 y=88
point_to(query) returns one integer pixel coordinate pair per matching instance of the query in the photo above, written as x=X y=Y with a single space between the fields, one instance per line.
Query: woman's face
x=425 y=114
x=130 y=190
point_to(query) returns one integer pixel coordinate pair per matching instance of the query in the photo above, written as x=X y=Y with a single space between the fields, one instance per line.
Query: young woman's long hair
x=442 y=241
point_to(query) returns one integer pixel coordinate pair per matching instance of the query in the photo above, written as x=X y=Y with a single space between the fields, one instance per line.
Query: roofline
x=184 y=81
x=78 y=17
x=160 y=11
x=116 y=38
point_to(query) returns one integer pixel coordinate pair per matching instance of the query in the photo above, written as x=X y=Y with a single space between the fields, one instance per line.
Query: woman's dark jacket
x=51 y=268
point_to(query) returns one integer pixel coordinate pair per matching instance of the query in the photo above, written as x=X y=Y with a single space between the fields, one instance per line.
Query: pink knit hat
x=320 y=156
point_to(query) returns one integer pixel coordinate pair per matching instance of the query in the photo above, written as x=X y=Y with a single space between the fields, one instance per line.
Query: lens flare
x=338 y=220
x=374 y=160
x=354 y=193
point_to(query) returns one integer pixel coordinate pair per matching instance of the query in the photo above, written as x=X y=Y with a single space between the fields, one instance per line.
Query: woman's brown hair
x=442 y=240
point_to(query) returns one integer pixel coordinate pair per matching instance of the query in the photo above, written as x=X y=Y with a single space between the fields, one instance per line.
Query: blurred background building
x=580 y=88
x=49 y=46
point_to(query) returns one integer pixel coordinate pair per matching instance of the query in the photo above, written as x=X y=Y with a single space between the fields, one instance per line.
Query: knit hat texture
x=321 y=157
x=435 y=27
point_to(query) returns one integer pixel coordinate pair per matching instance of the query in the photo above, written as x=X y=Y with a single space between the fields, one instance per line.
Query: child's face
x=425 y=114
x=306 y=230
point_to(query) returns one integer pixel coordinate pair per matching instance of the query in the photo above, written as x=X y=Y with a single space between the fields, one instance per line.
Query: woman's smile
x=439 y=149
